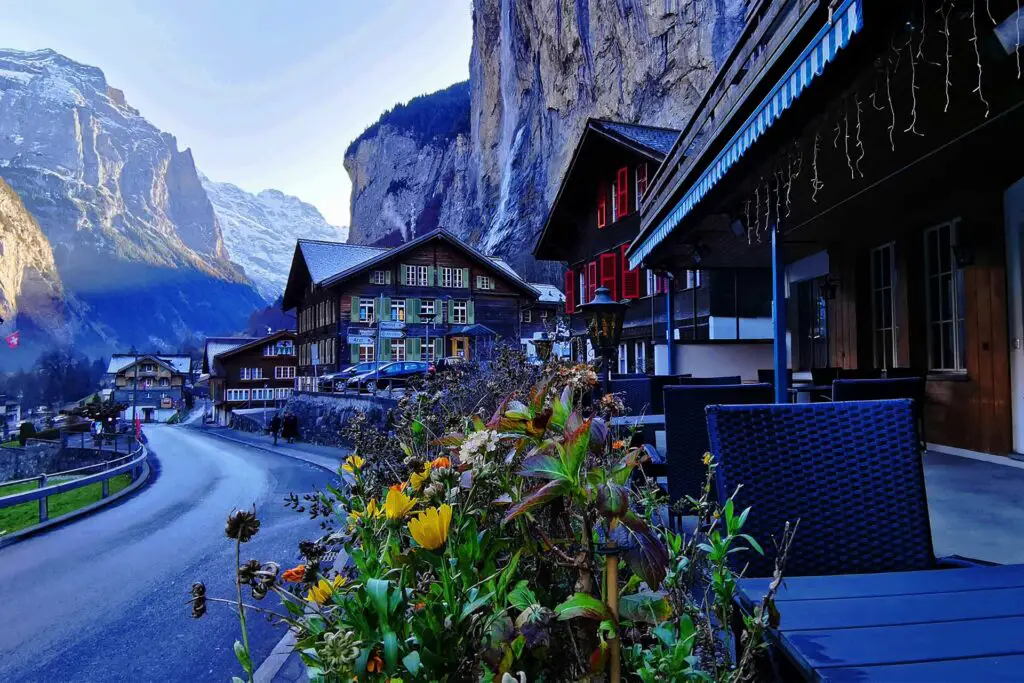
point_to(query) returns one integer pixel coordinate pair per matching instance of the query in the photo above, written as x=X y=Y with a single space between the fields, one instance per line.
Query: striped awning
x=846 y=21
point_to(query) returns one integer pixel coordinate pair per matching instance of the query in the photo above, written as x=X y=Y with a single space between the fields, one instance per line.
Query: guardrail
x=130 y=463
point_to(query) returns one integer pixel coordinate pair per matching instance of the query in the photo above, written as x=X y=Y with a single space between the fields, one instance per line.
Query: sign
x=391 y=325
x=13 y=339
x=361 y=332
x=391 y=334
x=314 y=353
x=359 y=339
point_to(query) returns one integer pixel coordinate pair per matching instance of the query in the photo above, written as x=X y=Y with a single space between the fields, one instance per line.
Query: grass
x=10 y=444
x=20 y=516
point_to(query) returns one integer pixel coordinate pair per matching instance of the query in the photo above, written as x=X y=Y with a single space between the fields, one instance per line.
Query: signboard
x=314 y=353
x=359 y=339
x=391 y=325
x=166 y=402
x=391 y=334
x=361 y=332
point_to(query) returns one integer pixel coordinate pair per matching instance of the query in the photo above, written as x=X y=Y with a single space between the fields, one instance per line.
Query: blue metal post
x=779 y=319
x=670 y=360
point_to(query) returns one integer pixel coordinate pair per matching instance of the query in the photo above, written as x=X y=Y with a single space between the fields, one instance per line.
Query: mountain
x=135 y=239
x=258 y=227
x=538 y=70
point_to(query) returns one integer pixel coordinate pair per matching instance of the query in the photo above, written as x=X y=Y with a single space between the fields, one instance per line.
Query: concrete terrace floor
x=976 y=508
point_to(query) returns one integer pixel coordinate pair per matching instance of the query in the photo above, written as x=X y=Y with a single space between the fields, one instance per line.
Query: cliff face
x=538 y=70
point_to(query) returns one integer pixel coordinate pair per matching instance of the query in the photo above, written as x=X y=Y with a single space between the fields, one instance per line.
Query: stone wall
x=31 y=461
x=322 y=416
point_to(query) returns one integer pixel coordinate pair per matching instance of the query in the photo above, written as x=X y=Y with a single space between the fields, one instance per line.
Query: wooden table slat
x=999 y=669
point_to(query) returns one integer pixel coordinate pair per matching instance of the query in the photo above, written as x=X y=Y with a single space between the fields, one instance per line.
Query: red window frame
x=641 y=183
x=609 y=273
x=622 y=193
x=602 y=206
x=570 y=291
x=630 y=278
x=591 y=281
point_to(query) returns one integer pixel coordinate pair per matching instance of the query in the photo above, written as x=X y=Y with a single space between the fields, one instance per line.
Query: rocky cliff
x=538 y=70
x=134 y=236
x=258 y=228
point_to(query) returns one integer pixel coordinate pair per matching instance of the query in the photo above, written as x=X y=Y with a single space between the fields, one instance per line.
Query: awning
x=846 y=21
x=471 y=331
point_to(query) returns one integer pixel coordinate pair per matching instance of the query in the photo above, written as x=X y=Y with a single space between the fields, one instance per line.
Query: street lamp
x=543 y=346
x=135 y=389
x=604 y=321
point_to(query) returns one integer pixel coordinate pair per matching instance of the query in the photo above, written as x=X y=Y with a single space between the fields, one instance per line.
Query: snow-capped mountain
x=260 y=231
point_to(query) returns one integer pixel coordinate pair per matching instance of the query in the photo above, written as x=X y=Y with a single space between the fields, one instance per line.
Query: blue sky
x=266 y=93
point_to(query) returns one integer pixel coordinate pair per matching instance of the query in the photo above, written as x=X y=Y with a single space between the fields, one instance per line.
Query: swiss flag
x=13 y=339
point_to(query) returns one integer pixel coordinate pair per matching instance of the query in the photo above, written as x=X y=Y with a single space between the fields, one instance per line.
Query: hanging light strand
x=977 y=53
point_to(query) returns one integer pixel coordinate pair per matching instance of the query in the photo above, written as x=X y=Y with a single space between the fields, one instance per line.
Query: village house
x=592 y=221
x=426 y=299
x=247 y=373
x=545 y=319
x=151 y=386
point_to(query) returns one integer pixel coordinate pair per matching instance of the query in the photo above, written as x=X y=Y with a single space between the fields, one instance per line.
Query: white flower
x=477 y=446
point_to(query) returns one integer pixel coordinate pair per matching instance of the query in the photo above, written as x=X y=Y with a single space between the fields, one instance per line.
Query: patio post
x=779 y=319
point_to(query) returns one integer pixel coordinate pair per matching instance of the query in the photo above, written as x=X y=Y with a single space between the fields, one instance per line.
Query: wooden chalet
x=249 y=373
x=869 y=153
x=592 y=221
x=426 y=299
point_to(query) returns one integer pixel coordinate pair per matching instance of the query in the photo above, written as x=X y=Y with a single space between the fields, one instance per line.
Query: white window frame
x=639 y=193
x=693 y=279
x=379 y=277
x=956 y=319
x=398 y=310
x=237 y=395
x=460 y=312
x=448 y=277
x=417 y=276
x=526 y=315
x=410 y=275
x=366 y=353
x=366 y=305
x=880 y=289
x=651 y=282
x=427 y=307
x=284 y=372
x=484 y=282
x=640 y=358
x=623 y=358
x=148 y=367
x=427 y=349
x=282 y=393
x=252 y=374
x=398 y=349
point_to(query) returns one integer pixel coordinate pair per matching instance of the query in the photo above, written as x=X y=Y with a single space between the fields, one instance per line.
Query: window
x=282 y=394
x=570 y=291
x=460 y=312
x=448 y=276
x=366 y=353
x=526 y=315
x=693 y=279
x=280 y=348
x=602 y=206
x=609 y=274
x=252 y=373
x=484 y=282
x=883 y=327
x=379 y=277
x=544 y=315
x=641 y=183
x=238 y=394
x=641 y=356
x=591 y=280
x=164 y=382
x=427 y=349
x=630 y=278
x=944 y=286
x=427 y=307
x=284 y=372
x=398 y=310
x=148 y=367
x=397 y=349
x=416 y=276
x=622 y=193
x=366 y=310
x=652 y=282
x=623 y=359
x=263 y=394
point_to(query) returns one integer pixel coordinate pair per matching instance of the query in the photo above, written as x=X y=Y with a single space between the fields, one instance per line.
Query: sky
x=268 y=94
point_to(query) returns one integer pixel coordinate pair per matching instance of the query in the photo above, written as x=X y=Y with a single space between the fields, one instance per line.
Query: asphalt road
x=104 y=598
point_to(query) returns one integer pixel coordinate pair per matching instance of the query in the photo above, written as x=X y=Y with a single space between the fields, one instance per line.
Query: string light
x=977 y=52
x=912 y=128
x=945 y=31
x=816 y=183
x=746 y=215
x=892 y=110
x=757 y=209
x=860 y=142
x=846 y=140
x=1016 y=49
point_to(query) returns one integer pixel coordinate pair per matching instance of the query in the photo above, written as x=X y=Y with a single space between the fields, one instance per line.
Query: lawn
x=10 y=444
x=20 y=516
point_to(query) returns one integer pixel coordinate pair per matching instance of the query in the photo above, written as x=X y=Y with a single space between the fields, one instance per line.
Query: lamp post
x=135 y=389
x=604 y=320
x=543 y=346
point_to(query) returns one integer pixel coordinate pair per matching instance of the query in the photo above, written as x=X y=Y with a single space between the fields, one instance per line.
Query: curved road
x=104 y=598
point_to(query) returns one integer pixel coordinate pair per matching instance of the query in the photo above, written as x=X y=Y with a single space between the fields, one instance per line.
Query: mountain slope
x=134 y=236
x=258 y=228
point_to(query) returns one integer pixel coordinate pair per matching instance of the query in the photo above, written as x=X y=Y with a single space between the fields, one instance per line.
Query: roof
x=475 y=330
x=238 y=348
x=324 y=259
x=179 y=363
x=549 y=294
x=655 y=139
x=218 y=345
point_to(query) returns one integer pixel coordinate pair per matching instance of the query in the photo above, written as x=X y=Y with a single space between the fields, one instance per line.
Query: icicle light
x=977 y=53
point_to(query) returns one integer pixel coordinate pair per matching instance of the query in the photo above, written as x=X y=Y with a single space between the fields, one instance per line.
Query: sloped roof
x=179 y=363
x=256 y=342
x=324 y=259
x=218 y=345
x=549 y=294
x=656 y=139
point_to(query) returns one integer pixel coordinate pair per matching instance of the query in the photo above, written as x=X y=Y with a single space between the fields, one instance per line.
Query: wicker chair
x=767 y=376
x=686 y=430
x=706 y=381
x=881 y=390
x=850 y=472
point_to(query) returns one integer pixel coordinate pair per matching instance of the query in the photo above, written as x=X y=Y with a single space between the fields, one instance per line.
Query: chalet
x=545 y=319
x=428 y=298
x=152 y=386
x=862 y=150
x=592 y=221
x=249 y=373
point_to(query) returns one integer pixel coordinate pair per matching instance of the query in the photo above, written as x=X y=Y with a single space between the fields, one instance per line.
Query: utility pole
x=135 y=390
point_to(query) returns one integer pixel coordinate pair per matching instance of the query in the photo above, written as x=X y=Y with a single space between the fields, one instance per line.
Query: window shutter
x=448 y=311
x=469 y=312
x=385 y=349
x=386 y=305
x=602 y=206
x=402 y=277
x=630 y=278
x=387 y=276
x=369 y=276
x=413 y=351
x=438 y=348
x=354 y=315
x=591 y=281
x=609 y=273
x=412 y=310
x=430 y=276
x=570 y=291
x=622 y=193
x=465 y=277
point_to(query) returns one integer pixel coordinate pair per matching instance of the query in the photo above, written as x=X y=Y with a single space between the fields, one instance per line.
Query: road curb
x=243 y=442
x=11 y=539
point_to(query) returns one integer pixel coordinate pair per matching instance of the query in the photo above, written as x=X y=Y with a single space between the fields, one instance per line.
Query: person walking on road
x=275 y=426
x=290 y=432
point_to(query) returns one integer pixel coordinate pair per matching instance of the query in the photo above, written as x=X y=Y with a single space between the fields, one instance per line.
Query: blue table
x=939 y=625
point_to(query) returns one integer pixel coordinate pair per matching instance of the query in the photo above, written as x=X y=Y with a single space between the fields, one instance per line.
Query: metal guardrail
x=130 y=463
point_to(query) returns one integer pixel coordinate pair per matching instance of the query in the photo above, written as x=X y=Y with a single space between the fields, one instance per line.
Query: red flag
x=13 y=339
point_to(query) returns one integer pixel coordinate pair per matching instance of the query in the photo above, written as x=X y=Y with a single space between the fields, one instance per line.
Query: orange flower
x=440 y=462
x=618 y=445
x=419 y=607
x=375 y=663
x=295 y=574
x=399 y=487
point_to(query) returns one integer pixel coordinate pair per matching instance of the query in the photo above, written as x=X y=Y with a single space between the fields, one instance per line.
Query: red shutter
x=630 y=278
x=602 y=206
x=609 y=274
x=591 y=280
x=658 y=281
x=570 y=291
x=622 y=193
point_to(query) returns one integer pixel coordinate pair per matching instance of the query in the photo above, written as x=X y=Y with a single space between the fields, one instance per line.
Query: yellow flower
x=397 y=505
x=353 y=463
x=430 y=528
x=399 y=487
x=372 y=511
x=418 y=480
x=322 y=591
x=707 y=458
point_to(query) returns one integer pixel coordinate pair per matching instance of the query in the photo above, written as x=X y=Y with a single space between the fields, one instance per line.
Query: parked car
x=450 y=363
x=336 y=381
x=389 y=376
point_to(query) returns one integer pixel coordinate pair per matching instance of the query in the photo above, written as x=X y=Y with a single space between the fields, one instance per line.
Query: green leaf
x=518 y=644
x=508 y=573
x=577 y=443
x=411 y=662
x=649 y=606
x=543 y=466
x=243 y=657
x=583 y=605
x=647 y=554
x=293 y=608
x=753 y=544
x=377 y=590
x=545 y=494
x=390 y=641
x=471 y=607
x=521 y=596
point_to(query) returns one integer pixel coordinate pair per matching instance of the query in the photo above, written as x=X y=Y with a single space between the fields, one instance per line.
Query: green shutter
x=386 y=306
x=354 y=315
x=387 y=276
x=401 y=274
x=369 y=276
x=448 y=311
x=412 y=310
x=438 y=348
x=353 y=353
x=385 y=350
x=469 y=312
x=414 y=348
x=430 y=277
x=465 y=277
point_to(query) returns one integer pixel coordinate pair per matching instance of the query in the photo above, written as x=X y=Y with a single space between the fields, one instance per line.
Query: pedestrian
x=275 y=426
x=291 y=427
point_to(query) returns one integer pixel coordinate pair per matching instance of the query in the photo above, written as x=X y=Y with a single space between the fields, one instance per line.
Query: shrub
x=27 y=430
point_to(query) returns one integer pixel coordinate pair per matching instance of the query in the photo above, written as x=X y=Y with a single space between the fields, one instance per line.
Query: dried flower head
x=198 y=599
x=247 y=572
x=339 y=652
x=312 y=550
x=242 y=525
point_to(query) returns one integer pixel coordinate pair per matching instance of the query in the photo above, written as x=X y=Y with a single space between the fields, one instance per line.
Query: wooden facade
x=260 y=373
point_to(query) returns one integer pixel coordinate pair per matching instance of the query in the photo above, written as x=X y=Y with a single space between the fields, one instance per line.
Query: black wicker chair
x=686 y=430
x=706 y=381
x=767 y=376
x=881 y=390
x=850 y=472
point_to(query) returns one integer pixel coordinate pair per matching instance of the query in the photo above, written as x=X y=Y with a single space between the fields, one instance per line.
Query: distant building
x=150 y=385
x=10 y=412
x=431 y=297
x=249 y=372
x=545 y=318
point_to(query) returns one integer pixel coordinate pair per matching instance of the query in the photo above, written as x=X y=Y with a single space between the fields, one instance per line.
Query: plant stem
x=611 y=572
x=241 y=606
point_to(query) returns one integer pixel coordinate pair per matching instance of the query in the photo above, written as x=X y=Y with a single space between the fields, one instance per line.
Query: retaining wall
x=31 y=461
x=323 y=416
